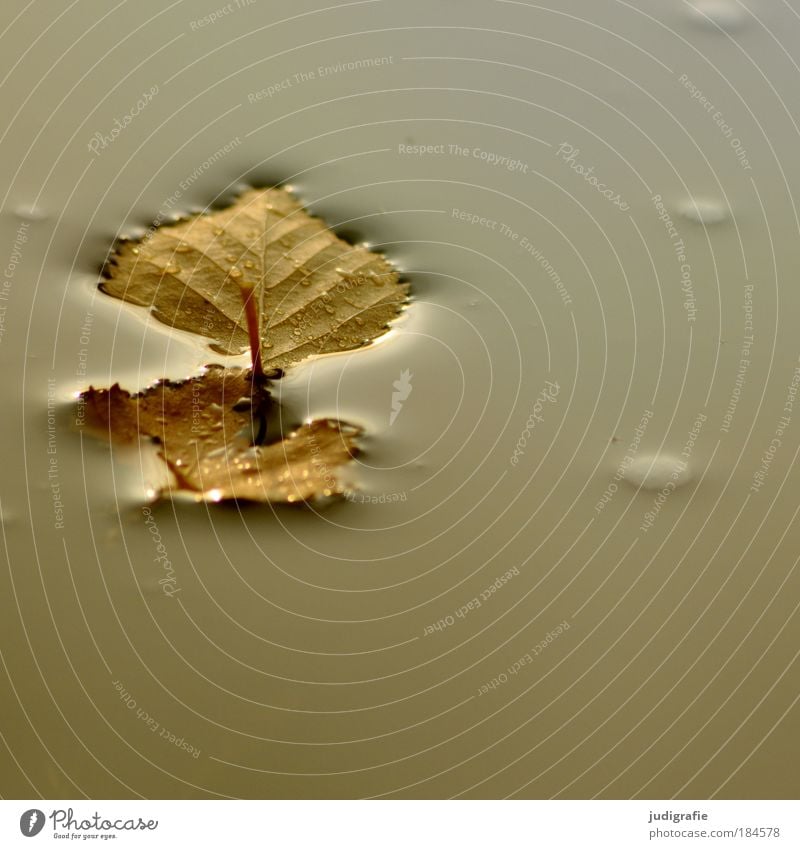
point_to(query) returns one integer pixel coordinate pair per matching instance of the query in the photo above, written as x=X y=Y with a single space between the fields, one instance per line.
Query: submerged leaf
x=317 y=294
x=205 y=428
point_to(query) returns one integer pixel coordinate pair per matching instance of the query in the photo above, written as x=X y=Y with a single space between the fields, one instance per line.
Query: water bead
x=722 y=13
x=653 y=472
x=30 y=212
x=704 y=210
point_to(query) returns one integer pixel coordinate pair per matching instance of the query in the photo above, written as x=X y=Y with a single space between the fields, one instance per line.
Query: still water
x=568 y=565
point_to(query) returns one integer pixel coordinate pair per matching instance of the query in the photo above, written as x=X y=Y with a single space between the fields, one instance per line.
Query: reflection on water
x=588 y=591
x=704 y=211
x=722 y=14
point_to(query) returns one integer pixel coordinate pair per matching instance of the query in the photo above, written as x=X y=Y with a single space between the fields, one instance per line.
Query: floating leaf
x=317 y=294
x=263 y=273
x=205 y=428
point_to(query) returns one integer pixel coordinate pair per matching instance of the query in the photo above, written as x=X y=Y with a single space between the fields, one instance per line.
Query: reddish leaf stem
x=251 y=314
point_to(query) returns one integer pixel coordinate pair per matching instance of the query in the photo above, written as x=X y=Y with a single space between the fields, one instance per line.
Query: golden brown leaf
x=317 y=293
x=208 y=445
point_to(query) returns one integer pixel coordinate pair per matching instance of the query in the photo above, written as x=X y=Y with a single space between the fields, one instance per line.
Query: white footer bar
x=403 y=824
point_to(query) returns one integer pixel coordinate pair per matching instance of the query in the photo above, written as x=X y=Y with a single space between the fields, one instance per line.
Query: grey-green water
x=595 y=204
